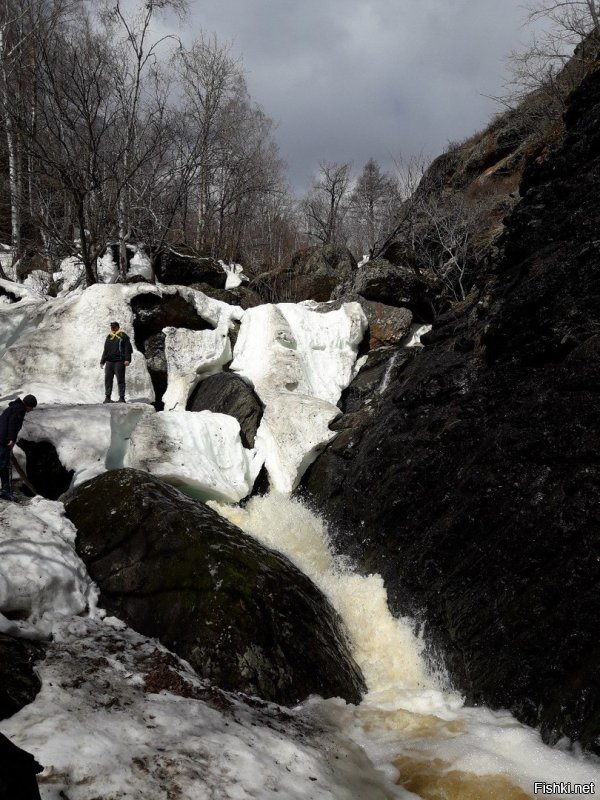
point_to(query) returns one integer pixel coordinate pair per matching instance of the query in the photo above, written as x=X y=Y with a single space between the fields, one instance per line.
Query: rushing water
x=411 y=724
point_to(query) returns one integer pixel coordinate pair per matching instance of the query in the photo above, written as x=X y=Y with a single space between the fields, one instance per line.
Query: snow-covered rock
x=70 y=275
x=299 y=361
x=140 y=265
x=200 y=451
x=38 y=282
x=41 y=575
x=107 y=267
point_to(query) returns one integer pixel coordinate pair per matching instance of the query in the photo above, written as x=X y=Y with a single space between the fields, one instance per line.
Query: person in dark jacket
x=115 y=357
x=11 y=421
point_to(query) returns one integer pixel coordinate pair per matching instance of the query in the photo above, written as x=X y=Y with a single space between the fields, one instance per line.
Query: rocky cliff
x=471 y=480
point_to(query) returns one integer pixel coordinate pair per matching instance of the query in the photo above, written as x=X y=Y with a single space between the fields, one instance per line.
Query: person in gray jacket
x=115 y=357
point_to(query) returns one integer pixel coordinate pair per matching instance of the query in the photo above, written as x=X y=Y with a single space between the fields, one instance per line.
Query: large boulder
x=242 y=615
x=312 y=274
x=240 y=296
x=184 y=269
x=227 y=393
x=480 y=461
x=379 y=281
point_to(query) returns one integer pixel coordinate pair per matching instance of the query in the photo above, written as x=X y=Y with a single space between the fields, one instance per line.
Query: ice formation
x=200 y=451
x=299 y=361
x=191 y=356
x=88 y=439
x=234 y=274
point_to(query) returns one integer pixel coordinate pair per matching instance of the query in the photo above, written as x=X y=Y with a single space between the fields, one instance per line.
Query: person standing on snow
x=11 y=422
x=115 y=357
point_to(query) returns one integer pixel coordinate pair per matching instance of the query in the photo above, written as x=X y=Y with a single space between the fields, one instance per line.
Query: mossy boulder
x=245 y=617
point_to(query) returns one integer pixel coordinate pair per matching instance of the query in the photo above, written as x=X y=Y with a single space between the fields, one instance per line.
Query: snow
x=41 y=575
x=16 y=317
x=199 y=451
x=413 y=338
x=59 y=360
x=298 y=360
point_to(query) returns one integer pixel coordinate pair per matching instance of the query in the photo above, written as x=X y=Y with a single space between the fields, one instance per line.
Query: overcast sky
x=345 y=80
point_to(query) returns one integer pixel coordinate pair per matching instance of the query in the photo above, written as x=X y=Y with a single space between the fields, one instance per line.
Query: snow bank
x=102 y=730
x=88 y=440
x=59 y=359
x=41 y=574
x=16 y=318
x=200 y=451
x=299 y=361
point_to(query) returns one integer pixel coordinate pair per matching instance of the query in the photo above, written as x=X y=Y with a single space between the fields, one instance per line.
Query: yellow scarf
x=115 y=335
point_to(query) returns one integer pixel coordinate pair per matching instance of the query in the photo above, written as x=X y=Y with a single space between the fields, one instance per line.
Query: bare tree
x=565 y=40
x=137 y=56
x=326 y=205
x=21 y=23
x=211 y=80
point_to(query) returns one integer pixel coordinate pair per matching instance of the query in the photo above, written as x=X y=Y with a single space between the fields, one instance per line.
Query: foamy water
x=415 y=730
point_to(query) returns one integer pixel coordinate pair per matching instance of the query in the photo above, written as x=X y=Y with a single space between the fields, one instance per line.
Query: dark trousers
x=5 y=468
x=112 y=368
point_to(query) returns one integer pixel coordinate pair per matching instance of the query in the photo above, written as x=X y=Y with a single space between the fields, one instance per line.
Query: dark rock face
x=227 y=393
x=45 y=470
x=183 y=270
x=481 y=461
x=19 y=684
x=312 y=274
x=241 y=614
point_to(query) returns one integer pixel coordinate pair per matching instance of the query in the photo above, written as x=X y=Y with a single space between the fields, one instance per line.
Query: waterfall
x=412 y=726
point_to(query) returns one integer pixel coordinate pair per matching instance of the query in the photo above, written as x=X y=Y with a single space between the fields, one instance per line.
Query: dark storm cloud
x=348 y=79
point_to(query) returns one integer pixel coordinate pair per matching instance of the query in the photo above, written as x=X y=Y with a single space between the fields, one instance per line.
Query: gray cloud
x=349 y=79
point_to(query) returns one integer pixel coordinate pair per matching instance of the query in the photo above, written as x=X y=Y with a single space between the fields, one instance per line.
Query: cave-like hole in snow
x=45 y=470
x=152 y=313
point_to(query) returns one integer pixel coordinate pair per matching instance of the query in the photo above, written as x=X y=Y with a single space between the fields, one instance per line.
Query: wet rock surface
x=227 y=393
x=242 y=615
x=481 y=460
